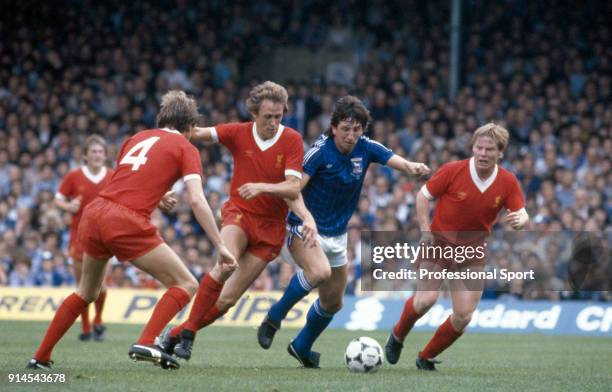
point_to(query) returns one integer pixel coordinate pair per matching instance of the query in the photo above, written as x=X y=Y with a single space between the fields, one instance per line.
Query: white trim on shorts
x=334 y=247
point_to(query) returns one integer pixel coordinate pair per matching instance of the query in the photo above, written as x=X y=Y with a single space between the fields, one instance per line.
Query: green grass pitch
x=229 y=359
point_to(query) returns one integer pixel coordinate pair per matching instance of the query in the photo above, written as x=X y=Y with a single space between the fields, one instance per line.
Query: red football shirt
x=148 y=164
x=465 y=202
x=257 y=160
x=82 y=183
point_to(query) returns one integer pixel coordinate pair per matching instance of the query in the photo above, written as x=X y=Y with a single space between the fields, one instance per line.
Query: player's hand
x=418 y=168
x=250 y=190
x=516 y=219
x=426 y=238
x=75 y=205
x=167 y=202
x=227 y=260
x=309 y=232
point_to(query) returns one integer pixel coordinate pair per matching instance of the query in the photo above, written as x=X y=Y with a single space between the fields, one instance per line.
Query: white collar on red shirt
x=169 y=130
x=265 y=144
x=480 y=184
x=95 y=178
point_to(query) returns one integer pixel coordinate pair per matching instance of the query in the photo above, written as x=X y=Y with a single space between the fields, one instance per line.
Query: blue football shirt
x=332 y=193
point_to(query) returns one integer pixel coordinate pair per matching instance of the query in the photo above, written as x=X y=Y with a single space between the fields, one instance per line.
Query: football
x=363 y=355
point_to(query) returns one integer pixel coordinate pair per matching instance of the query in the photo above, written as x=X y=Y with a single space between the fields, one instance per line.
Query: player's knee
x=318 y=275
x=226 y=303
x=190 y=285
x=462 y=319
x=424 y=301
x=88 y=297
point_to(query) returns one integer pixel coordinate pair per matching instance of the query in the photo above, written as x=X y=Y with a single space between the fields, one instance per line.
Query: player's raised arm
x=412 y=168
x=204 y=134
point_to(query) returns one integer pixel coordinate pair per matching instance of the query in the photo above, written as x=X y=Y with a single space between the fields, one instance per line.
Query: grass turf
x=229 y=359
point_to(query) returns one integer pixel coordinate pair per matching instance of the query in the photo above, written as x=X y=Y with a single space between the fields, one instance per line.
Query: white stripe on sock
x=303 y=281
x=321 y=312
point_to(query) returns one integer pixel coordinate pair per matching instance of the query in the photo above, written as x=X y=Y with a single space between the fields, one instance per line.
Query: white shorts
x=333 y=247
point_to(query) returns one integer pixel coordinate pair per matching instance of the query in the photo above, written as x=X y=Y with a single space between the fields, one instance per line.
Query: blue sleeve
x=313 y=159
x=377 y=152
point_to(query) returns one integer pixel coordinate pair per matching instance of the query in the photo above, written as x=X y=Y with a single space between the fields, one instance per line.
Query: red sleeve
x=438 y=184
x=295 y=153
x=515 y=200
x=226 y=134
x=67 y=188
x=191 y=161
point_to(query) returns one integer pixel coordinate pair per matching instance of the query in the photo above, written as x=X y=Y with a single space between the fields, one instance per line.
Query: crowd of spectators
x=540 y=68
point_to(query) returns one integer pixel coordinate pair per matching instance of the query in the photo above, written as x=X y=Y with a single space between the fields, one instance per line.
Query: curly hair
x=266 y=90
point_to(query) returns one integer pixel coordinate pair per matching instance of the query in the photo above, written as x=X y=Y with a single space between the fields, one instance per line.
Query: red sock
x=203 y=308
x=407 y=319
x=99 y=304
x=85 y=324
x=168 y=306
x=64 y=317
x=445 y=336
x=204 y=302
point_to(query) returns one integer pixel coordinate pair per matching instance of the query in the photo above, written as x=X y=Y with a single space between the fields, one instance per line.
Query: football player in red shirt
x=267 y=169
x=470 y=195
x=76 y=191
x=118 y=222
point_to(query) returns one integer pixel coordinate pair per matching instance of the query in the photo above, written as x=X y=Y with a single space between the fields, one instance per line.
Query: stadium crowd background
x=541 y=68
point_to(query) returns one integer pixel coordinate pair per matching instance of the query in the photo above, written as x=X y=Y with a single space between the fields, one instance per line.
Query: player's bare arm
x=203 y=134
x=205 y=218
x=411 y=168
x=309 y=226
x=288 y=189
x=422 y=209
x=517 y=219
x=71 y=206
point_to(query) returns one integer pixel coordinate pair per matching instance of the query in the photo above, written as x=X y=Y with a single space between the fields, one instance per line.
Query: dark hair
x=349 y=107
x=177 y=111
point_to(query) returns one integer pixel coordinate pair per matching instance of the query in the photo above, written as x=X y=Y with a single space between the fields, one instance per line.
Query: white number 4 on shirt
x=137 y=160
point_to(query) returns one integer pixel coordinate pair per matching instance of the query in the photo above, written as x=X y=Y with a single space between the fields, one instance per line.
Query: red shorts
x=266 y=236
x=75 y=250
x=108 y=229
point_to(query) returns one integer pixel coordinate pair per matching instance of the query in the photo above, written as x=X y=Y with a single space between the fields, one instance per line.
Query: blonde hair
x=178 y=111
x=266 y=90
x=94 y=139
x=496 y=132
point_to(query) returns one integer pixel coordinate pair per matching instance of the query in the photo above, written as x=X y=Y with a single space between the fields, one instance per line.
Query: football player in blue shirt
x=334 y=170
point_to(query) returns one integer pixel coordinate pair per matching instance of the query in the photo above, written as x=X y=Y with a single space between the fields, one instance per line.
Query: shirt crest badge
x=357 y=168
